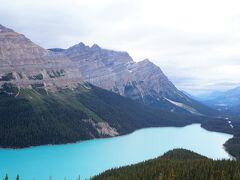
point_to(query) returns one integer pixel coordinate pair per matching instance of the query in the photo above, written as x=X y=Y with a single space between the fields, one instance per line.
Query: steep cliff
x=142 y=81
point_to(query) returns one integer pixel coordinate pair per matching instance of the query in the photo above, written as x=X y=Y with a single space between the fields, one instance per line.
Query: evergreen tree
x=178 y=164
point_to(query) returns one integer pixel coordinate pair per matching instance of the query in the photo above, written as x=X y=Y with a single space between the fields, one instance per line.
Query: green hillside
x=178 y=164
x=30 y=117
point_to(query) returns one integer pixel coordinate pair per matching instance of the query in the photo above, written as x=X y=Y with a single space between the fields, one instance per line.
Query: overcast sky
x=196 y=43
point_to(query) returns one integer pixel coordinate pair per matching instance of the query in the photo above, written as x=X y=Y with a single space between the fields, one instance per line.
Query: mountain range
x=67 y=95
x=44 y=99
x=141 y=81
x=225 y=102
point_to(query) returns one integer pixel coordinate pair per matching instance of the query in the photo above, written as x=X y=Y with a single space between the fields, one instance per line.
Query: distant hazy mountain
x=142 y=81
x=210 y=96
x=228 y=101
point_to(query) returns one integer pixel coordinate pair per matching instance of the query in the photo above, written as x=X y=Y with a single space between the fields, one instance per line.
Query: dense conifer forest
x=31 y=117
x=178 y=164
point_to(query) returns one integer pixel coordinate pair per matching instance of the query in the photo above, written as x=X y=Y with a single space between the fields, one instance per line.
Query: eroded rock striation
x=142 y=81
x=24 y=64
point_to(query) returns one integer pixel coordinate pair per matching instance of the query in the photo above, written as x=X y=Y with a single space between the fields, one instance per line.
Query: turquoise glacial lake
x=91 y=157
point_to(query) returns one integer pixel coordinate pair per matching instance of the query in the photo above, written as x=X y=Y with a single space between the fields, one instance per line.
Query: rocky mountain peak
x=4 y=29
x=78 y=47
x=24 y=63
x=116 y=71
x=146 y=60
x=81 y=53
x=81 y=44
x=15 y=47
x=95 y=47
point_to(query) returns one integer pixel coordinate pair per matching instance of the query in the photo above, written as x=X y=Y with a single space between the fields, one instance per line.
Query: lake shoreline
x=92 y=157
x=121 y=135
x=80 y=141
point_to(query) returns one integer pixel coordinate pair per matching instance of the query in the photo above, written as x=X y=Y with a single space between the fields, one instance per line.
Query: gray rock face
x=116 y=71
x=103 y=68
x=24 y=63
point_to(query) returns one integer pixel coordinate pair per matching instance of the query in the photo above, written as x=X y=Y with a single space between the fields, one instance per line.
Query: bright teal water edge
x=94 y=156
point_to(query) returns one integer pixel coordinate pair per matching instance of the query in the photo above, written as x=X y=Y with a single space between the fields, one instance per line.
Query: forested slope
x=30 y=117
x=178 y=164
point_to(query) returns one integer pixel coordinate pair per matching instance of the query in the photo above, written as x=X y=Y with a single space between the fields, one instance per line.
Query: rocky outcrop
x=101 y=67
x=116 y=71
x=24 y=63
x=103 y=128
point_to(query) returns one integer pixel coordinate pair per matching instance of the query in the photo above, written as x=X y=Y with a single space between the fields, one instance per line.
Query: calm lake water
x=92 y=157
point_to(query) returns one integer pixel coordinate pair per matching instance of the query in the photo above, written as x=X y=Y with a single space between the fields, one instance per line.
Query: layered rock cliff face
x=23 y=63
x=142 y=81
x=116 y=71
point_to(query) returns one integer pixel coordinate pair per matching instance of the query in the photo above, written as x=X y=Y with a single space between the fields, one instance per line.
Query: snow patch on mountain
x=184 y=106
x=229 y=122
